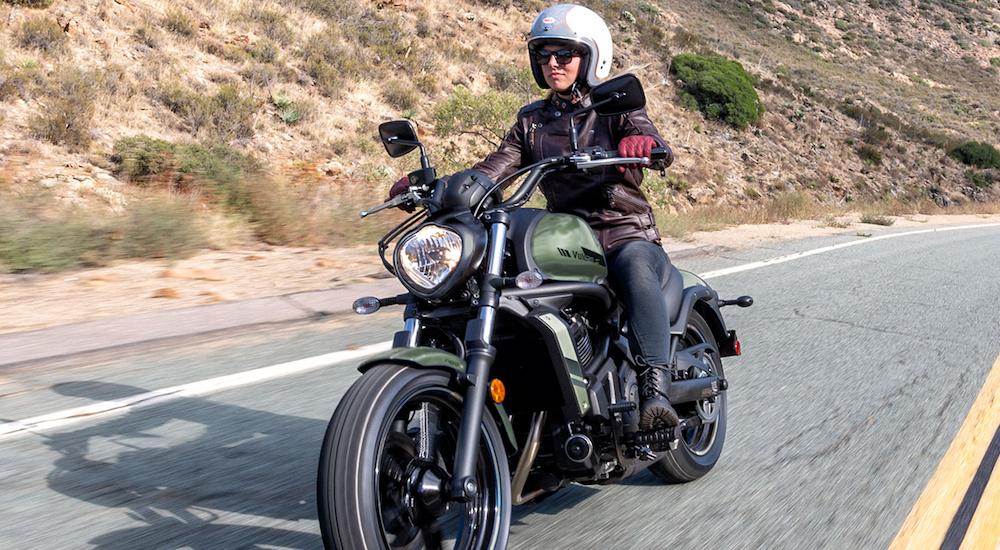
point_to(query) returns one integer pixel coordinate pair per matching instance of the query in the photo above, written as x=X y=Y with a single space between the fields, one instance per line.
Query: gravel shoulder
x=32 y=302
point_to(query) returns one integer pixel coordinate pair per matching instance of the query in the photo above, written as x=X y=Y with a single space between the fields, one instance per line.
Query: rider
x=569 y=49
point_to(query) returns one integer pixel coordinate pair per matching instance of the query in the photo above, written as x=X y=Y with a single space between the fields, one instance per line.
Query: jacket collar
x=565 y=106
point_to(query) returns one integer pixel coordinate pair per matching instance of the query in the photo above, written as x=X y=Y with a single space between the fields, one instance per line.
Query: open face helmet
x=578 y=28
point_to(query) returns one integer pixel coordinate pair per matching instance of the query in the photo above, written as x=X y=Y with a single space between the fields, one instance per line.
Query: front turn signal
x=497 y=391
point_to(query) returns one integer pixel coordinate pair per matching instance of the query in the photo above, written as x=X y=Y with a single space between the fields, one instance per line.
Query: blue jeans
x=638 y=272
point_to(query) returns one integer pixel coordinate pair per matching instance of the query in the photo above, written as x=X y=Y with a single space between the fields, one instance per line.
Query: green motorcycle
x=513 y=375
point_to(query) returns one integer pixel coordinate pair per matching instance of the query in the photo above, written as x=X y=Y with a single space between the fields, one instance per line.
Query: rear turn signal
x=497 y=391
x=737 y=348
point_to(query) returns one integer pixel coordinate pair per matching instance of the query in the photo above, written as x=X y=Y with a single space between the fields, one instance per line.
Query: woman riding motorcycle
x=570 y=51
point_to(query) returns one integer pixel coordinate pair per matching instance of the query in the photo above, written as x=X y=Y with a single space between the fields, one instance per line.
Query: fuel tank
x=562 y=247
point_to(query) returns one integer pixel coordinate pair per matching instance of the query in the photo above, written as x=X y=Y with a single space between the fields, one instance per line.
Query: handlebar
x=583 y=160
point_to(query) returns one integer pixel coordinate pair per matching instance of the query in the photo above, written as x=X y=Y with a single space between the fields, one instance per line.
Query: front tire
x=699 y=448
x=386 y=463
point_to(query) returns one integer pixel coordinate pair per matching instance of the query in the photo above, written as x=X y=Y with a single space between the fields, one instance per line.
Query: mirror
x=620 y=95
x=399 y=137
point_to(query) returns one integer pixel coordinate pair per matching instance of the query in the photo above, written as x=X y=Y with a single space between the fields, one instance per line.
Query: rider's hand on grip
x=635 y=146
x=398 y=188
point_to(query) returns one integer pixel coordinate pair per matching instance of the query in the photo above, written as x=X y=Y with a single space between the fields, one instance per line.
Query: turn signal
x=366 y=305
x=497 y=390
x=737 y=348
x=528 y=279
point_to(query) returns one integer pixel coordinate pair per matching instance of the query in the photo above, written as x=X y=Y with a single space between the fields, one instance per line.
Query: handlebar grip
x=658 y=153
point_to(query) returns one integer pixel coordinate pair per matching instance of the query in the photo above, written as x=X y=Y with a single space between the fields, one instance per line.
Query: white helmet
x=577 y=26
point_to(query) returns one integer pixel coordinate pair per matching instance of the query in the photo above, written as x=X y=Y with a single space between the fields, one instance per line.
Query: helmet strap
x=575 y=95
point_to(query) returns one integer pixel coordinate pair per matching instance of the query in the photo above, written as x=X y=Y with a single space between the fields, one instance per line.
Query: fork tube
x=479 y=357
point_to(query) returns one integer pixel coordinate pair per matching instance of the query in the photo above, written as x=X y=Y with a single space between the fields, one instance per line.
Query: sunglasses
x=563 y=57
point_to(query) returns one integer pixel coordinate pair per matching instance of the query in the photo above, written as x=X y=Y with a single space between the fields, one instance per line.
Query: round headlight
x=428 y=256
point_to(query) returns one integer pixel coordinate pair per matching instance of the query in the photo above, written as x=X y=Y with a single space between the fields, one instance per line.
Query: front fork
x=479 y=357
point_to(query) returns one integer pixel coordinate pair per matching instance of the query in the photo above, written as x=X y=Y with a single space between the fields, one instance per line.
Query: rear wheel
x=386 y=465
x=700 y=447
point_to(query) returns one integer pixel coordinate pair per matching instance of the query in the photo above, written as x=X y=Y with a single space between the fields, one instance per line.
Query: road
x=860 y=364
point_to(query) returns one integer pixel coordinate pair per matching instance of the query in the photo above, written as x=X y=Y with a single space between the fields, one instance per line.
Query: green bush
x=33 y=240
x=974 y=153
x=870 y=155
x=41 y=34
x=146 y=161
x=487 y=116
x=980 y=180
x=721 y=88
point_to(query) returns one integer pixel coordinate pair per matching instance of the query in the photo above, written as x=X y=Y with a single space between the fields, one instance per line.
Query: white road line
x=203 y=387
x=71 y=416
x=798 y=255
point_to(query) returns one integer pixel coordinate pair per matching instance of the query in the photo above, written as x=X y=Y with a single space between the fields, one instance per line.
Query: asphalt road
x=859 y=366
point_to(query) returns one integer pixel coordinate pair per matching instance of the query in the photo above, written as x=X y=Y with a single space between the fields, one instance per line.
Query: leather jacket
x=611 y=201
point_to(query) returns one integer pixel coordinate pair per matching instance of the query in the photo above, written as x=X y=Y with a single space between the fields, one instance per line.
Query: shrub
x=875 y=219
x=400 y=95
x=146 y=161
x=974 y=153
x=331 y=64
x=176 y=21
x=875 y=135
x=160 y=229
x=68 y=111
x=148 y=35
x=31 y=3
x=870 y=155
x=265 y=51
x=228 y=115
x=233 y=114
x=35 y=241
x=980 y=180
x=41 y=34
x=487 y=116
x=721 y=88
x=272 y=24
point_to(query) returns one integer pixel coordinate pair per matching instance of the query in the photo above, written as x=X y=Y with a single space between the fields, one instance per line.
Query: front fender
x=433 y=358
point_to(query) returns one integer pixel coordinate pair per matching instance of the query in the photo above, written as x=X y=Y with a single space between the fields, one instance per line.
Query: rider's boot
x=655 y=411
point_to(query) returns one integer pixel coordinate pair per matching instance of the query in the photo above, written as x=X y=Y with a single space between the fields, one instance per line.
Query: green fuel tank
x=562 y=247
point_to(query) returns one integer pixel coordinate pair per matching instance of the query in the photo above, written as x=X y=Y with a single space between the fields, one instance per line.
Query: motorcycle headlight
x=428 y=256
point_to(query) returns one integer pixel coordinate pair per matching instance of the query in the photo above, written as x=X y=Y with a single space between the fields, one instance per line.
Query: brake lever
x=391 y=203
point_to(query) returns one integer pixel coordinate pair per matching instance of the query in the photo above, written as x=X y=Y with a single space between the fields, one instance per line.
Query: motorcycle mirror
x=399 y=137
x=620 y=95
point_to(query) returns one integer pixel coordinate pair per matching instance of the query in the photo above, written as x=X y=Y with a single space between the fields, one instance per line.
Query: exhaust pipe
x=696 y=389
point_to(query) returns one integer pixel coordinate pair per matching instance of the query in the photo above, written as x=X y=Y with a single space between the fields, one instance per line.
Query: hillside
x=259 y=116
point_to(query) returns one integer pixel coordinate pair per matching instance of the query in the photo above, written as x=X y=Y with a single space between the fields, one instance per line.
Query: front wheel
x=386 y=465
x=699 y=448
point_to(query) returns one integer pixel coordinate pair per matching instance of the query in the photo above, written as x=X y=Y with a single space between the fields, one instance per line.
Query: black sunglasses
x=563 y=57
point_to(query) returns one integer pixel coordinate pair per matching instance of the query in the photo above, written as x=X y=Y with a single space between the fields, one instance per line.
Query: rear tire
x=373 y=474
x=699 y=448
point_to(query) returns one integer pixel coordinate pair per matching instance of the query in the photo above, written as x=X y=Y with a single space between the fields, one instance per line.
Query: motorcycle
x=514 y=374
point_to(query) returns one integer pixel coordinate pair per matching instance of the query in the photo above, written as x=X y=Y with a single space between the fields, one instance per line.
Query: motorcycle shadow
x=192 y=470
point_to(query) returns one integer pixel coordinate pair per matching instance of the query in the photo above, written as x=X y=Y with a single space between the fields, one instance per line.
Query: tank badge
x=585 y=254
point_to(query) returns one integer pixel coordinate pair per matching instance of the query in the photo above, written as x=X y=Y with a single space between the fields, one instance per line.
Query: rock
x=331 y=168
x=700 y=195
x=170 y=293
x=193 y=273
x=254 y=257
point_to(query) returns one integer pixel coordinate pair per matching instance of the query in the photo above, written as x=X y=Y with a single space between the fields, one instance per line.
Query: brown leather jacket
x=612 y=202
